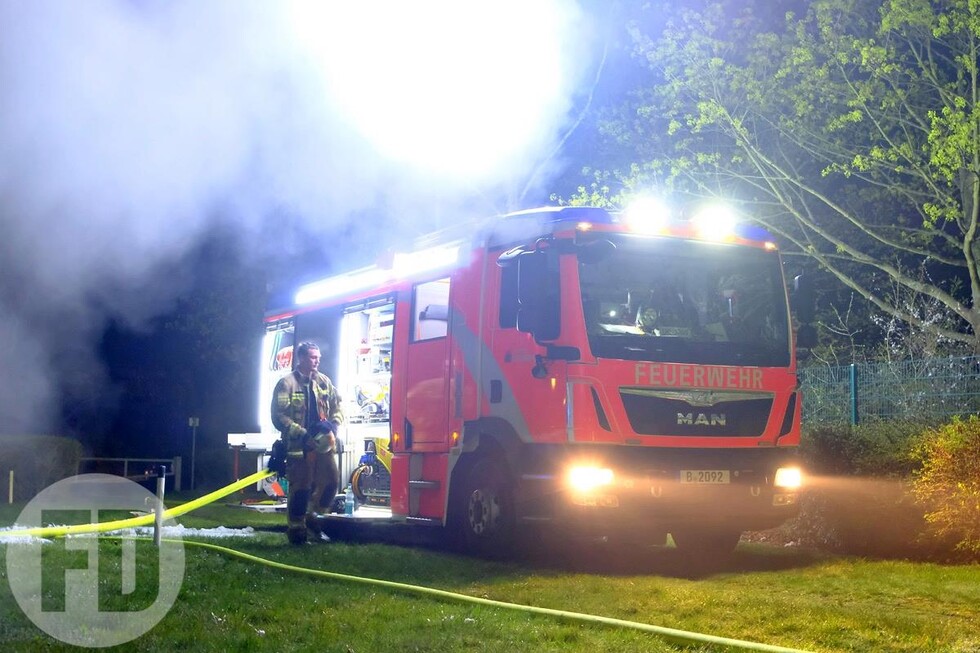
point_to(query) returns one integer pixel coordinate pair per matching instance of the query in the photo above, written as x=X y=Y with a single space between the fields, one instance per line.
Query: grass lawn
x=771 y=595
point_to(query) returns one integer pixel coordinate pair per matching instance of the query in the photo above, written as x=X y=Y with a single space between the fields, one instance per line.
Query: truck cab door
x=427 y=371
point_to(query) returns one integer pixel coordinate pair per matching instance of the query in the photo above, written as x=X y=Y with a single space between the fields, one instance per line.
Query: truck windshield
x=662 y=299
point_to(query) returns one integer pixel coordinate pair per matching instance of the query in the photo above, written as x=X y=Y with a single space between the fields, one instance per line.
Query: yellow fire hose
x=683 y=637
x=670 y=634
x=142 y=520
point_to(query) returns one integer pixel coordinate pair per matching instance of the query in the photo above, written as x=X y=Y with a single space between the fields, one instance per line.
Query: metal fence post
x=854 y=394
x=158 y=517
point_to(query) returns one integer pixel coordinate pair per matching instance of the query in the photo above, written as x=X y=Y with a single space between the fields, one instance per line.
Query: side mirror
x=538 y=295
x=804 y=300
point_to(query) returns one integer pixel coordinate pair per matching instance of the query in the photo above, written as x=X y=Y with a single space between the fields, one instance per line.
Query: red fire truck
x=566 y=368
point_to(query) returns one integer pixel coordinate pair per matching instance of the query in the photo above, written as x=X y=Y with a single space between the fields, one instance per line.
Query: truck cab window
x=431 y=310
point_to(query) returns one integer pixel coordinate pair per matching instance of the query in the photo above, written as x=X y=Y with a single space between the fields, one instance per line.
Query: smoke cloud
x=128 y=128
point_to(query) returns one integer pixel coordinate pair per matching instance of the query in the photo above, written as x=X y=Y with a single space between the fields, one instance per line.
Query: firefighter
x=306 y=410
x=667 y=312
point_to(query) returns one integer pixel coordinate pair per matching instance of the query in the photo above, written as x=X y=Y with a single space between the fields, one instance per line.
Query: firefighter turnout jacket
x=291 y=412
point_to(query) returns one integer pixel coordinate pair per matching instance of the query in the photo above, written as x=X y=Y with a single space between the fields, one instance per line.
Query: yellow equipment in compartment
x=371 y=479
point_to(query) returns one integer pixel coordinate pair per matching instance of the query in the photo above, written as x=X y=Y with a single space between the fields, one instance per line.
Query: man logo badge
x=702 y=419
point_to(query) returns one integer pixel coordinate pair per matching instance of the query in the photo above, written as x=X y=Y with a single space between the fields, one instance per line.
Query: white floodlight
x=647 y=215
x=715 y=221
x=446 y=103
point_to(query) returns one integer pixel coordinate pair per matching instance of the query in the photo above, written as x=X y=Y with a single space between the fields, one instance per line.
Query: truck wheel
x=706 y=544
x=485 y=509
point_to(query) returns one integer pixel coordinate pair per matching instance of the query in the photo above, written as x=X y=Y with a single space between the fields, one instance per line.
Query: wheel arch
x=481 y=439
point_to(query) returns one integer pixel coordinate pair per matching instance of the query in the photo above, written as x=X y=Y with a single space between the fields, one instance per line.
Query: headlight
x=586 y=479
x=788 y=478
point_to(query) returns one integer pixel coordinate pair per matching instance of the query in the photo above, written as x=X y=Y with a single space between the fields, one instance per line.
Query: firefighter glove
x=324 y=427
x=324 y=436
x=277 y=458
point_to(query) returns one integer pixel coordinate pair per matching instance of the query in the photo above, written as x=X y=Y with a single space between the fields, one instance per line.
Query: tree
x=851 y=130
x=196 y=360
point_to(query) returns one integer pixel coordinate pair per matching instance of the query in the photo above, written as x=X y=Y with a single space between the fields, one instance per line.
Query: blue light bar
x=753 y=232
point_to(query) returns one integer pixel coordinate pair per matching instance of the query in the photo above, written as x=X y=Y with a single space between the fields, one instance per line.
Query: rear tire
x=485 y=516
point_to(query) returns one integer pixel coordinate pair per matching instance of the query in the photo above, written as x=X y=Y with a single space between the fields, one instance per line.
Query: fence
x=926 y=388
x=135 y=469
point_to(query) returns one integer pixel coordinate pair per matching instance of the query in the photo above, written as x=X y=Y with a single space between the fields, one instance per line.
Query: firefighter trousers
x=313 y=482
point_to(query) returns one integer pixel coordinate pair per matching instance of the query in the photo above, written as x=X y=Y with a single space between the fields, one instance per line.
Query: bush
x=865 y=516
x=948 y=482
x=874 y=448
x=37 y=462
x=859 y=498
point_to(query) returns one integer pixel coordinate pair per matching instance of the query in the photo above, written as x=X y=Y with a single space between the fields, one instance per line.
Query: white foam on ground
x=141 y=531
x=19 y=539
x=179 y=530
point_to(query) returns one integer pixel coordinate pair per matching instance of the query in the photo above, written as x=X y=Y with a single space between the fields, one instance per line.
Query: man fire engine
x=568 y=367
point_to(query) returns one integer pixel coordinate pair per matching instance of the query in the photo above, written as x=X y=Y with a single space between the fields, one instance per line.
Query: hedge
x=37 y=461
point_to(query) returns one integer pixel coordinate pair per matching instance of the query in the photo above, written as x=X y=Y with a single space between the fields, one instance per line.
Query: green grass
x=766 y=594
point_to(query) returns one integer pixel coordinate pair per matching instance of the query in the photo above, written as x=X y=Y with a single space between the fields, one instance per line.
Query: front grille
x=696 y=412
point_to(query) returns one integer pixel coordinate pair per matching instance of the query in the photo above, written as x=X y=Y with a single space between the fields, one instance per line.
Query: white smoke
x=128 y=127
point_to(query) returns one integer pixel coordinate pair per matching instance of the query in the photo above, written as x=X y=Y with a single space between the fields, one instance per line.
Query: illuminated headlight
x=587 y=479
x=788 y=478
x=647 y=215
x=715 y=221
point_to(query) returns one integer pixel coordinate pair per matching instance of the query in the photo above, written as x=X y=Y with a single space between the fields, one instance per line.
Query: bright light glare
x=336 y=286
x=404 y=265
x=586 y=479
x=266 y=383
x=410 y=263
x=647 y=215
x=450 y=87
x=715 y=221
x=790 y=478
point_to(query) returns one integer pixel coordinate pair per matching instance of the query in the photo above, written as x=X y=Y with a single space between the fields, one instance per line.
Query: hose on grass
x=669 y=634
x=142 y=520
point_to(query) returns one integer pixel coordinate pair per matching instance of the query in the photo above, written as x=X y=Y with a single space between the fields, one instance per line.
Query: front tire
x=485 y=517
